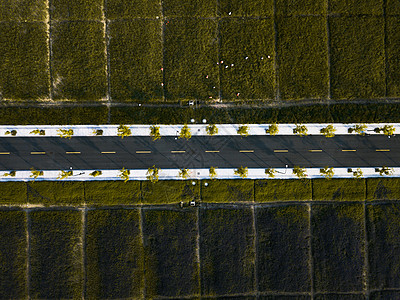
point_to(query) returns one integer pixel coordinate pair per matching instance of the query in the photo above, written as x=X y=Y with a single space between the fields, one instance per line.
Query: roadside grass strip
x=383 y=189
x=50 y=193
x=122 y=9
x=55 y=254
x=338 y=189
x=61 y=10
x=114 y=254
x=300 y=7
x=190 y=56
x=282 y=267
x=79 y=61
x=383 y=245
x=13 y=263
x=303 y=57
x=100 y=193
x=338 y=266
x=226 y=235
x=24 y=58
x=249 y=8
x=393 y=54
x=227 y=191
x=170 y=191
x=136 y=60
x=357 y=7
x=196 y=8
x=357 y=57
x=247 y=72
x=282 y=190
x=13 y=193
x=23 y=10
x=171 y=261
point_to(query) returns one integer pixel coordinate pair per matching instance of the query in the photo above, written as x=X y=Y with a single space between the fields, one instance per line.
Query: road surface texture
x=54 y=153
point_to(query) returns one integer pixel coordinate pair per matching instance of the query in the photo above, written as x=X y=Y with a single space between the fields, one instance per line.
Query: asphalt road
x=54 y=153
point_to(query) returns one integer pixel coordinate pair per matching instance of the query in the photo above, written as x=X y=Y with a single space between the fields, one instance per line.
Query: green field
x=170 y=191
x=356 y=7
x=23 y=10
x=76 y=10
x=249 y=8
x=195 y=8
x=12 y=193
x=393 y=55
x=100 y=193
x=300 y=7
x=55 y=193
x=339 y=189
x=383 y=189
x=227 y=191
x=282 y=190
x=122 y=9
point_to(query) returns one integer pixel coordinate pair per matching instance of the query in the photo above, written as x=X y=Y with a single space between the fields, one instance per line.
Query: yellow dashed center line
x=178 y=151
x=38 y=152
x=348 y=150
x=315 y=150
x=382 y=150
x=72 y=152
x=212 y=151
x=281 y=151
x=108 y=152
x=4 y=153
x=143 y=152
x=246 y=151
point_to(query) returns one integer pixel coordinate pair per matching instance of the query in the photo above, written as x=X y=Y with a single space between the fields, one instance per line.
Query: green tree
x=98 y=131
x=185 y=133
x=11 y=174
x=38 y=131
x=124 y=174
x=243 y=130
x=124 y=131
x=155 y=133
x=300 y=130
x=12 y=132
x=152 y=174
x=242 y=172
x=35 y=173
x=212 y=129
x=328 y=131
x=386 y=171
x=299 y=172
x=358 y=128
x=272 y=129
x=387 y=130
x=95 y=173
x=327 y=172
x=65 y=174
x=65 y=133
x=358 y=173
x=270 y=172
x=184 y=173
x=212 y=173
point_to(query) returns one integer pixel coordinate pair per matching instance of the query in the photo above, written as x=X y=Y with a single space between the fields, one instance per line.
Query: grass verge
x=282 y=190
x=227 y=190
x=170 y=191
x=393 y=55
x=56 y=193
x=12 y=193
x=339 y=189
x=383 y=189
x=103 y=193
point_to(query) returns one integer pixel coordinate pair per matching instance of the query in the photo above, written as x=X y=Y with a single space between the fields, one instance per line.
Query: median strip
x=178 y=151
x=281 y=151
x=143 y=152
x=382 y=150
x=38 y=152
x=72 y=152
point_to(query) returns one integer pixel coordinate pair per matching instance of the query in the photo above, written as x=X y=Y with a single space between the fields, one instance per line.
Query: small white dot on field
x=156 y=17
x=210 y=97
x=262 y=57
x=162 y=69
x=213 y=87
x=247 y=57
x=231 y=65
x=222 y=61
x=269 y=56
x=238 y=94
x=207 y=76
x=230 y=13
x=162 y=84
x=226 y=67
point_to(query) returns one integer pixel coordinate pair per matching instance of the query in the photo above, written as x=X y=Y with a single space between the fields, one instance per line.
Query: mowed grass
x=339 y=189
x=105 y=193
x=136 y=60
x=194 y=8
x=79 y=61
x=303 y=57
x=282 y=190
x=384 y=245
x=282 y=267
x=249 y=8
x=56 y=192
x=300 y=7
x=55 y=254
x=76 y=10
x=114 y=254
x=122 y=9
x=383 y=189
x=24 y=73
x=392 y=7
x=357 y=57
x=338 y=265
x=190 y=57
x=170 y=191
x=23 y=10
x=356 y=7
x=227 y=190
x=13 y=260
x=12 y=193
x=226 y=236
x=170 y=253
x=251 y=78
x=393 y=55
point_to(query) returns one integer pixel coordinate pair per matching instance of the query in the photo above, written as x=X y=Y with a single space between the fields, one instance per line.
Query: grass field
x=55 y=193
x=383 y=189
x=101 y=193
x=392 y=7
x=250 y=8
x=122 y=9
x=282 y=190
x=196 y=8
x=76 y=10
x=12 y=193
x=22 y=10
x=170 y=191
x=339 y=189
x=227 y=191
x=356 y=7
x=300 y=7
x=393 y=55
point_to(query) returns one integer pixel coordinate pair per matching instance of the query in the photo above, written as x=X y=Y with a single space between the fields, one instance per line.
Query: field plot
x=56 y=254
x=55 y=193
x=392 y=7
x=112 y=192
x=340 y=296
x=76 y=10
x=249 y=8
x=136 y=60
x=170 y=191
x=383 y=189
x=114 y=255
x=24 y=61
x=13 y=254
x=12 y=193
x=227 y=191
x=171 y=260
x=194 y=8
x=122 y=9
x=339 y=189
x=300 y=7
x=251 y=78
x=303 y=57
x=190 y=59
x=79 y=61
x=283 y=251
x=356 y=7
x=393 y=55
x=338 y=247
x=226 y=236
x=357 y=57
x=23 y=10
x=282 y=190
x=384 y=295
x=384 y=245
x=285 y=297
